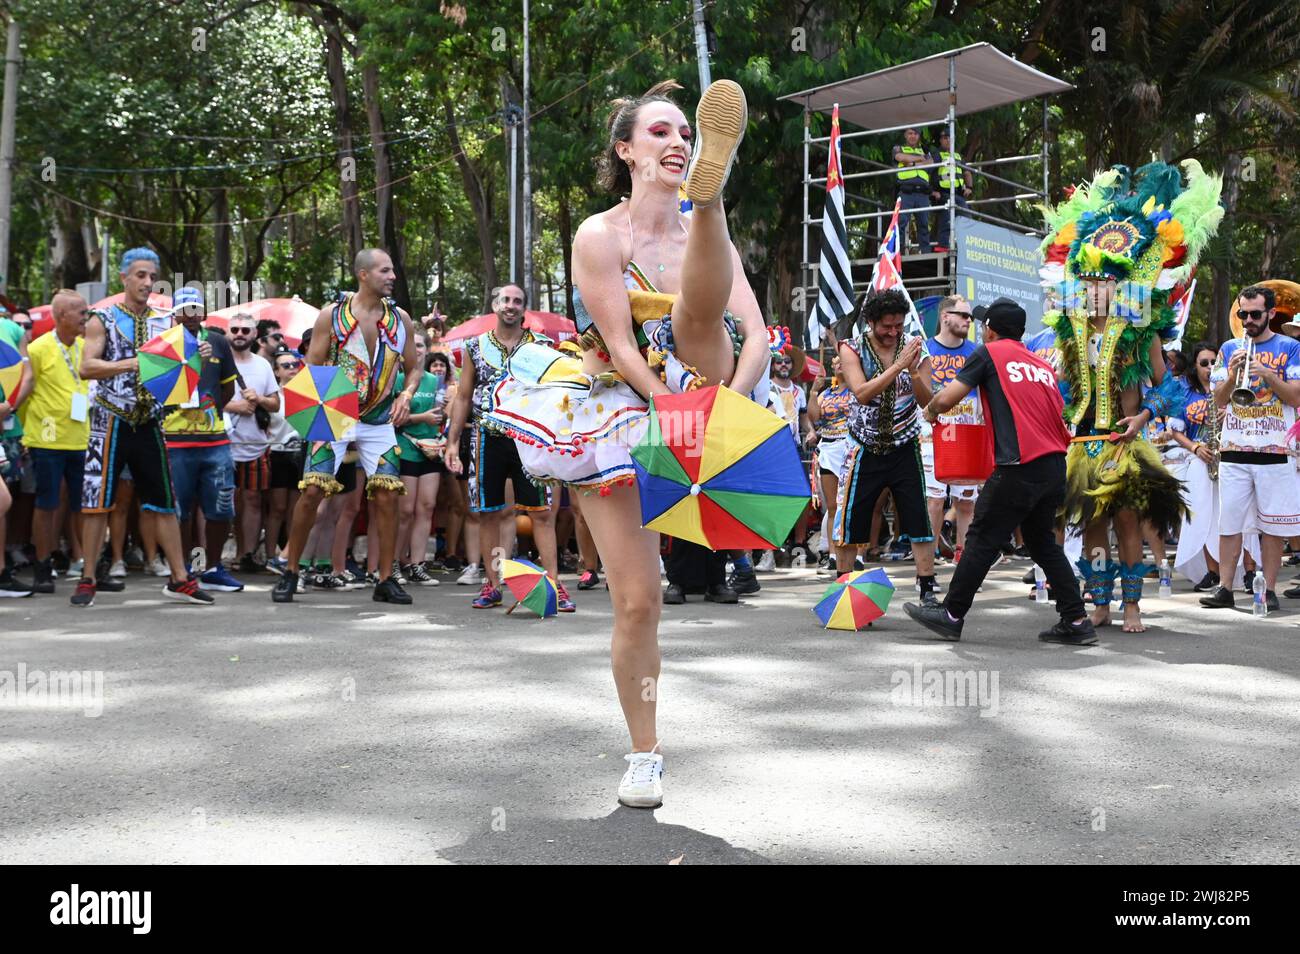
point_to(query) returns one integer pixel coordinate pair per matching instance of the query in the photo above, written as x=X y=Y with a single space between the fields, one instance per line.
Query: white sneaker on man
x=767 y=562
x=159 y=566
x=118 y=570
x=472 y=575
x=642 y=785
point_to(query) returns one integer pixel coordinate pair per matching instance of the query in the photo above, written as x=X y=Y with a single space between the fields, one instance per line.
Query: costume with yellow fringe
x=1146 y=230
x=576 y=422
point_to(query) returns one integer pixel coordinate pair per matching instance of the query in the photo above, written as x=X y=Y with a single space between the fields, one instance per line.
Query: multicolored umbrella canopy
x=855 y=599
x=11 y=372
x=717 y=469
x=170 y=366
x=531 y=587
x=321 y=404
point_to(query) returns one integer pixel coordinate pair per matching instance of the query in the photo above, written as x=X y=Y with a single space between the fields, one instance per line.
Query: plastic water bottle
x=1040 y=584
x=1166 y=579
x=1259 y=605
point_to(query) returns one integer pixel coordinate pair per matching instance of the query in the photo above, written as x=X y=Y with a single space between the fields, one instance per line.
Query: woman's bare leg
x=631 y=558
x=699 y=337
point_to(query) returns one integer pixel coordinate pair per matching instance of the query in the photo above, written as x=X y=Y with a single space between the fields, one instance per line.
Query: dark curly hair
x=612 y=173
x=875 y=305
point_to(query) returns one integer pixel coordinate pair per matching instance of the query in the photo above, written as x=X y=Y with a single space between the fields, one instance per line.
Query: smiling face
x=286 y=366
x=888 y=328
x=138 y=281
x=782 y=366
x=509 y=305
x=660 y=146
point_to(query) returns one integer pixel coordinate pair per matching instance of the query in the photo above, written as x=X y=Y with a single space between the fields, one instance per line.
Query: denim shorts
x=53 y=469
x=205 y=473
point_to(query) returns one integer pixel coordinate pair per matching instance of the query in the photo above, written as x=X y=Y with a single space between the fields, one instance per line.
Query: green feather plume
x=1199 y=211
x=1088 y=197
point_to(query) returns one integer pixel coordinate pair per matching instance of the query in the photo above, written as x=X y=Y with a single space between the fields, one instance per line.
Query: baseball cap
x=1006 y=318
x=187 y=296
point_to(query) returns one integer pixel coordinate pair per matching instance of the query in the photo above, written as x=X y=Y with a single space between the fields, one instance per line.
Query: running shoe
x=589 y=580
x=187 y=591
x=934 y=617
x=78 y=567
x=10 y=586
x=1071 y=634
x=767 y=562
x=472 y=575
x=108 y=584
x=720 y=121
x=44 y=582
x=642 y=785
x=118 y=570
x=158 y=566
x=219 y=580
x=417 y=574
x=276 y=566
x=488 y=597
x=390 y=591
x=563 y=602
x=85 y=595
x=285 y=587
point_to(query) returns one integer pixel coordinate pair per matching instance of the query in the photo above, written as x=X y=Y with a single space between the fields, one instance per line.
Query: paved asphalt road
x=341 y=730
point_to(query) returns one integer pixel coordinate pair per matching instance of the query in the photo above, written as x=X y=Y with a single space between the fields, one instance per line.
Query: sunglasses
x=239 y=332
x=1205 y=363
x=961 y=314
x=289 y=365
x=1251 y=315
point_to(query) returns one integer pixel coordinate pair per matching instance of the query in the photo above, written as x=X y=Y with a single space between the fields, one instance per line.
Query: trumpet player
x=1257 y=381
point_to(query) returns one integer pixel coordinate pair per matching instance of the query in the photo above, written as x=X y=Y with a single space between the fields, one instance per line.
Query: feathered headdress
x=1145 y=229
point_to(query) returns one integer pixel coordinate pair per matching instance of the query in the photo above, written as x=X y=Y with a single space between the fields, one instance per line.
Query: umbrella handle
x=513 y=608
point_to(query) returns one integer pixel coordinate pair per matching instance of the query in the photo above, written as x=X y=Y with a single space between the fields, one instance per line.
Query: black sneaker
x=1270 y=601
x=589 y=580
x=1071 y=634
x=1208 y=582
x=11 y=587
x=934 y=617
x=85 y=595
x=285 y=587
x=327 y=581
x=744 y=582
x=390 y=591
x=417 y=574
x=1248 y=582
x=674 y=595
x=1028 y=578
x=187 y=591
x=248 y=565
x=107 y=584
x=1221 y=598
x=720 y=593
x=44 y=577
x=1293 y=593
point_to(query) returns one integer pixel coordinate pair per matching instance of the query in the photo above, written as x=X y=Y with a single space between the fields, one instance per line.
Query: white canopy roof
x=918 y=91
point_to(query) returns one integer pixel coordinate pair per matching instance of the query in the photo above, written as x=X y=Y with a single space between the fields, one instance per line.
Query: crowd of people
x=520 y=444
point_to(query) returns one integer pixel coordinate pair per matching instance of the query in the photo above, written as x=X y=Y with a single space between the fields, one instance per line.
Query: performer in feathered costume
x=1115 y=249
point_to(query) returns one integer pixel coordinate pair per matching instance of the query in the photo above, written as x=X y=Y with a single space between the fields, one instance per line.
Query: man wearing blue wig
x=126 y=431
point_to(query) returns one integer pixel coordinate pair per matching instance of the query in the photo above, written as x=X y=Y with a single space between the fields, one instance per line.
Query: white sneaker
x=767 y=562
x=159 y=567
x=76 y=568
x=642 y=785
x=118 y=570
x=472 y=575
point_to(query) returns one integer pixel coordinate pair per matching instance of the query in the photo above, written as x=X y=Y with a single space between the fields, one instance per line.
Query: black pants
x=1027 y=496
x=694 y=568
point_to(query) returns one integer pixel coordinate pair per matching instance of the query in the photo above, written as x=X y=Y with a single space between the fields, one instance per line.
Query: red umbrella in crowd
x=161 y=302
x=555 y=327
x=294 y=315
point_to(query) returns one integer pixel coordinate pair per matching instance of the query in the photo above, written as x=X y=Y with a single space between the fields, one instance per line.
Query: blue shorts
x=207 y=473
x=54 y=468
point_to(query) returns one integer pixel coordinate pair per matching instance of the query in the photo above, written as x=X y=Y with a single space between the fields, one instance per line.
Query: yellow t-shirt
x=47 y=412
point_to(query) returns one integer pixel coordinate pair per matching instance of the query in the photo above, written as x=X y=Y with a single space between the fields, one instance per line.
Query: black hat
x=1006 y=318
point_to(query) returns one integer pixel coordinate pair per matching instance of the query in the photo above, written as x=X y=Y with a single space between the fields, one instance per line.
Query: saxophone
x=1214 y=425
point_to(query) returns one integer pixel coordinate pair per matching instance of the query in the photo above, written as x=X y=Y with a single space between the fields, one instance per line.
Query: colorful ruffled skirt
x=1104 y=477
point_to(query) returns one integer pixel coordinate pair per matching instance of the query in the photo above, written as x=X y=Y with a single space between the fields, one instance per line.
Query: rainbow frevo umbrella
x=321 y=404
x=11 y=372
x=170 y=366
x=717 y=469
x=531 y=587
x=855 y=599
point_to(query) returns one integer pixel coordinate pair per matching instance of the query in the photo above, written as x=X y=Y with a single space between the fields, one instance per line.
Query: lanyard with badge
x=77 y=412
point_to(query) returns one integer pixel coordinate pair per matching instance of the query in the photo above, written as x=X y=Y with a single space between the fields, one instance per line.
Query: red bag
x=963 y=453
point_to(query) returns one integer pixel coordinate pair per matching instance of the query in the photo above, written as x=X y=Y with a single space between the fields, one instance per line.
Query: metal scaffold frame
x=933 y=91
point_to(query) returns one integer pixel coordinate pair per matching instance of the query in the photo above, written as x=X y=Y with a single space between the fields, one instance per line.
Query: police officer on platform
x=946 y=177
x=914 y=187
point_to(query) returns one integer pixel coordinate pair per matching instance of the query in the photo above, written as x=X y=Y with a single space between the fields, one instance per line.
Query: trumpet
x=1242 y=395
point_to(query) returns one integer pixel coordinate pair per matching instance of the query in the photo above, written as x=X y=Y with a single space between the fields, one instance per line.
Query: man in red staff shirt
x=1023 y=403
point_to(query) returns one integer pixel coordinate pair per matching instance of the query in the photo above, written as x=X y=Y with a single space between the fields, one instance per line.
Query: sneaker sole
x=1064 y=641
x=83 y=605
x=632 y=802
x=385 y=599
x=14 y=594
x=720 y=121
x=185 y=598
x=220 y=588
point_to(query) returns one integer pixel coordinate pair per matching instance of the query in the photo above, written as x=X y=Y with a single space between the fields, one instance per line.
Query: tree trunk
x=69 y=261
x=221 y=238
x=479 y=201
x=566 y=250
x=387 y=217
x=438 y=259
x=338 y=80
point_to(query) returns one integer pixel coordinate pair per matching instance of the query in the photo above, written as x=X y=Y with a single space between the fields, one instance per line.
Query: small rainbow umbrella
x=321 y=404
x=855 y=599
x=717 y=469
x=531 y=587
x=170 y=366
x=11 y=372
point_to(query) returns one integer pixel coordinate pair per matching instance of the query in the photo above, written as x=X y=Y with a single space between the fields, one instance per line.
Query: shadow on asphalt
x=625 y=836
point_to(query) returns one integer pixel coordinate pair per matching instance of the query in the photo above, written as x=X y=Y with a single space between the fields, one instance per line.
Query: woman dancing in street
x=662 y=306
